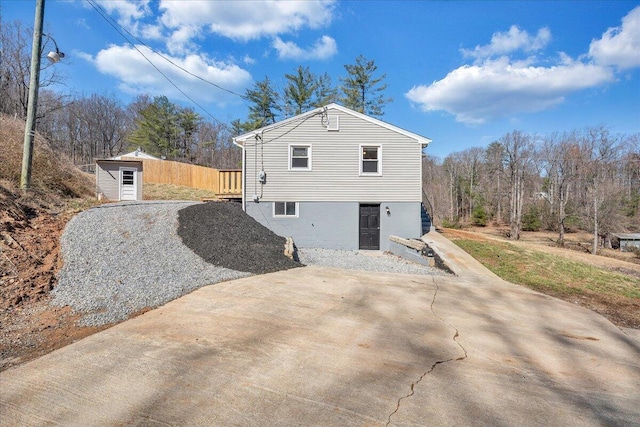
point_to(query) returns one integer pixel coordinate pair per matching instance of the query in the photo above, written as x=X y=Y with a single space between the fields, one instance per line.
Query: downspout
x=244 y=174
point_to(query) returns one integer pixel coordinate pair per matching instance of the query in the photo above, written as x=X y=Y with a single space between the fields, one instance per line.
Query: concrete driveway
x=323 y=346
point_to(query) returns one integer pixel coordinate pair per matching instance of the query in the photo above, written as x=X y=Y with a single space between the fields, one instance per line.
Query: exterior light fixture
x=57 y=55
x=388 y=210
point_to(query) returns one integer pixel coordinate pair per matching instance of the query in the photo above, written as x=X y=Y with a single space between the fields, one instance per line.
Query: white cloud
x=246 y=20
x=130 y=14
x=138 y=76
x=131 y=9
x=180 y=41
x=501 y=88
x=497 y=86
x=83 y=23
x=323 y=48
x=619 y=46
x=513 y=40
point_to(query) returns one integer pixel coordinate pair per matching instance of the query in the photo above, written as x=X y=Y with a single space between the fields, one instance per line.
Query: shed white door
x=128 y=184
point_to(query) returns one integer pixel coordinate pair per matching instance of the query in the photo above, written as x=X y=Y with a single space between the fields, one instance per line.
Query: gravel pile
x=122 y=258
x=353 y=260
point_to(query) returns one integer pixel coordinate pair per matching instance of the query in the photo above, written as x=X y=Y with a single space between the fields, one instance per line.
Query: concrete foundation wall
x=335 y=225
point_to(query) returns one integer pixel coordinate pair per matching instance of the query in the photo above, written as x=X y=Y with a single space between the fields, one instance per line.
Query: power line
x=117 y=27
x=281 y=124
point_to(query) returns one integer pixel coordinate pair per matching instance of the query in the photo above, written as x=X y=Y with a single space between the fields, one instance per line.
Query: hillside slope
x=30 y=226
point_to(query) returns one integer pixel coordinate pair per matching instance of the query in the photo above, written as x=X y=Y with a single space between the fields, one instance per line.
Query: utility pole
x=32 y=102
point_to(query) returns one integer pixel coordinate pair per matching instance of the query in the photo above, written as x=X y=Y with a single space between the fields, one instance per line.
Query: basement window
x=288 y=209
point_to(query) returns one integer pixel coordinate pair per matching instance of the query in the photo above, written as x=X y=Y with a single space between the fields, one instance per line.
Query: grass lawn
x=548 y=273
x=612 y=294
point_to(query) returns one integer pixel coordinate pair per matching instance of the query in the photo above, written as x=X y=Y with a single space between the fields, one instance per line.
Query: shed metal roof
x=627 y=236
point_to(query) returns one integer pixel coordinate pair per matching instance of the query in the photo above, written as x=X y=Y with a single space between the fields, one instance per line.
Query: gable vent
x=333 y=123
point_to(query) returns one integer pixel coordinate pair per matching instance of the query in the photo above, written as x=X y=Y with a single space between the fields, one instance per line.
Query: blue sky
x=461 y=73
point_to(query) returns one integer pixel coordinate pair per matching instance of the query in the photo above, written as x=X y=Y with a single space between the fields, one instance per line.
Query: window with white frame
x=289 y=209
x=300 y=157
x=370 y=160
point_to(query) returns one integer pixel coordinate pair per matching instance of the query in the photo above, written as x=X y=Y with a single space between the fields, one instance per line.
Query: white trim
x=241 y=139
x=360 y=160
x=309 y=157
x=273 y=210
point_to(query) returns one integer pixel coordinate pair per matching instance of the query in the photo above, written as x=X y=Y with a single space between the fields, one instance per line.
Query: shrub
x=479 y=216
x=451 y=224
x=531 y=220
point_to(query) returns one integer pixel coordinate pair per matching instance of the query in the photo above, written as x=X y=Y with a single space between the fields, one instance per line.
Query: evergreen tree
x=325 y=92
x=362 y=91
x=157 y=128
x=164 y=129
x=299 y=92
x=264 y=104
x=188 y=123
x=237 y=127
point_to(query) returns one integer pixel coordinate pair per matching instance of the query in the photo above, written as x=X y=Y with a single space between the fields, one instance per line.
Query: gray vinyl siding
x=335 y=163
x=108 y=178
x=335 y=225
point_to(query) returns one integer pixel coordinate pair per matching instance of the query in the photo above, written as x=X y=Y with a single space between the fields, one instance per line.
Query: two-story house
x=334 y=178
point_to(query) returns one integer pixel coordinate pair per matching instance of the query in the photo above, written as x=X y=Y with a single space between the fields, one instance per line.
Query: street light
x=57 y=55
x=32 y=101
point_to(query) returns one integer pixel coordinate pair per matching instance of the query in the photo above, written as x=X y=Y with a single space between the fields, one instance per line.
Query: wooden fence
x=226 y=183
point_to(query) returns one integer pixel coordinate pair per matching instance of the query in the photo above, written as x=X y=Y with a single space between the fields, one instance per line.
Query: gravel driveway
x=122 y=258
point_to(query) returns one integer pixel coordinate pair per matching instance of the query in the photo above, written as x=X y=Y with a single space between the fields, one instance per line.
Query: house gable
x=335 y=136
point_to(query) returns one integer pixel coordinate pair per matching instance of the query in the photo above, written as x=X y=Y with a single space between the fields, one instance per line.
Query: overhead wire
x=281 y=124
x=118 y=29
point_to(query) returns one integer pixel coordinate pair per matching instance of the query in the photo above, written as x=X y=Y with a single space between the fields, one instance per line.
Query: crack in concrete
x=439 y=362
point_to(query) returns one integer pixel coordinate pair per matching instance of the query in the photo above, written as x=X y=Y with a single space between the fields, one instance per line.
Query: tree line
x=585 y=179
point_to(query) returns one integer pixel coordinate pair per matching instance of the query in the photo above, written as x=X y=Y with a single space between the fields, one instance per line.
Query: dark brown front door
x=370 y=227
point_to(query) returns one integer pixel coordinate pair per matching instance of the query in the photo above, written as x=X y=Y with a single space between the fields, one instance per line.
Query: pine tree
x=362 y=91
x=325 y=92
x=157 y=128
x=299 y=92
x=264 y=104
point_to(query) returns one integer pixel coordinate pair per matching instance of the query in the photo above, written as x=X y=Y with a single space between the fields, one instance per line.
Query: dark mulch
x=223 y=235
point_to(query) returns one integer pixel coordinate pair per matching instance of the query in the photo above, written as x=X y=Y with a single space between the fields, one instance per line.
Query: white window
x=285 y=209
x=370 y=160
x=300 y=157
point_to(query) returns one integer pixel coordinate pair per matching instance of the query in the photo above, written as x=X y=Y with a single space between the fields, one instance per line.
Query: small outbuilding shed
x=119 y=179
x=628 y=241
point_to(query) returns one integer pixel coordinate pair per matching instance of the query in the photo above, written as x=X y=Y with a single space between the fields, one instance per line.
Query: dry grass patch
x=175 y=192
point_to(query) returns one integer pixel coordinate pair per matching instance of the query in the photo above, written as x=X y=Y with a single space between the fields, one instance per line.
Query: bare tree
x=561 y=157
x=215 y=147
x=601 y=188
x=494 y=164
x=15 y=63
x=518 y=157
x=452 y=170
x=435 y=189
